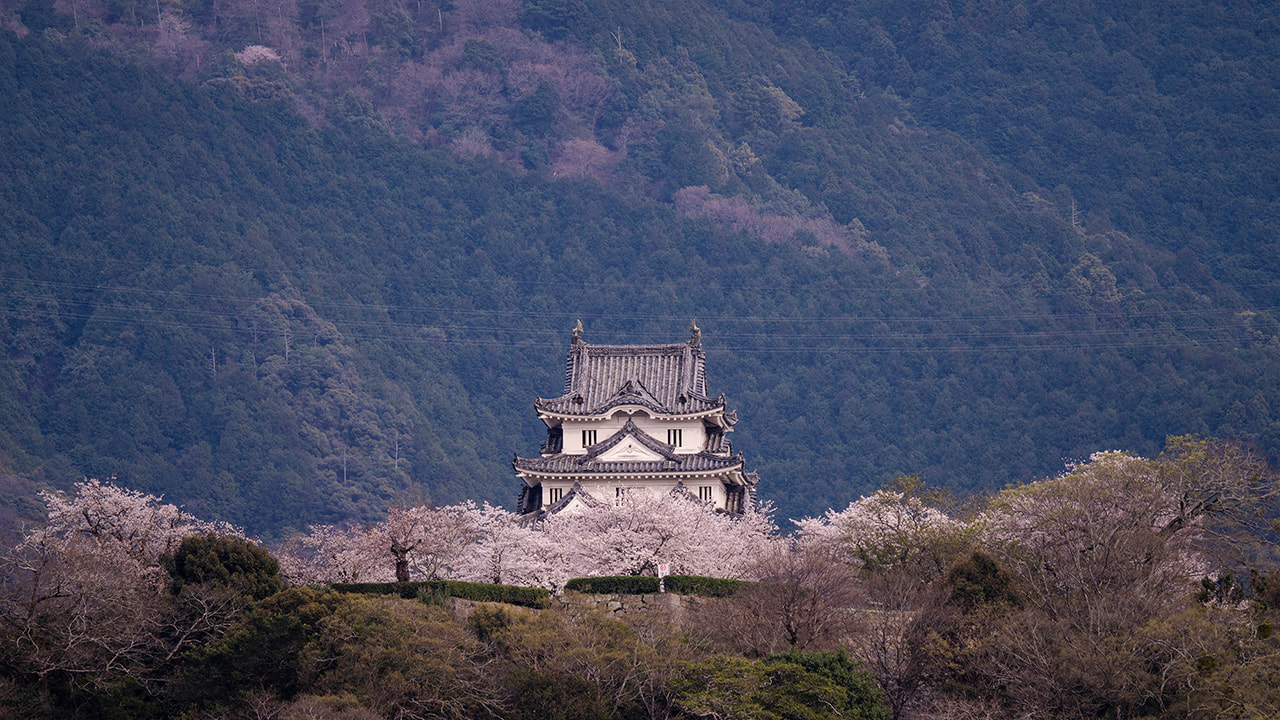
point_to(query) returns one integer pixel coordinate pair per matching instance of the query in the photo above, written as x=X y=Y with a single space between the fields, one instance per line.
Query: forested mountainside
x=1159 y=119
x=288 y=262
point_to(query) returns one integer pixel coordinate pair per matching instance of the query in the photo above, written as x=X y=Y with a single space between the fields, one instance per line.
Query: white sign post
x=664 y=569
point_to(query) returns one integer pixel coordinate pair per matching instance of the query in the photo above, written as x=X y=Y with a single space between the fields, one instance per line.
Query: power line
x=248 y=301
x=941 y=343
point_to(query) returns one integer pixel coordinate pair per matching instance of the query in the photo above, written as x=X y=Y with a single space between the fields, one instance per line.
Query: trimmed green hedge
x=703 y=586
x=645 y=585
x=481 y=592
x=614 y=585
x=510 y=594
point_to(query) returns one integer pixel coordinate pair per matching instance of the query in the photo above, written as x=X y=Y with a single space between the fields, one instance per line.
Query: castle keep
x=634 y=418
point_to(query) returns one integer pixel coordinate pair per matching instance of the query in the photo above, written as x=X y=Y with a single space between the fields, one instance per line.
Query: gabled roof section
x=633 y=392
x=576 y=495
x=667 y=379
x=629 y=431
x=597 y=462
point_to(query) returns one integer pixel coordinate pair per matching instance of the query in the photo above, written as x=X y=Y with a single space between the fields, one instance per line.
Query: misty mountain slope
x=280 y=321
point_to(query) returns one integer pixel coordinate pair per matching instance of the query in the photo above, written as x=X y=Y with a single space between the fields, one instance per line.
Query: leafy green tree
x=261 y=653
x=792 y=685
x=571 y=663
x=980 y=580
x=535 y=113
x=235 y=563
x=400 y=658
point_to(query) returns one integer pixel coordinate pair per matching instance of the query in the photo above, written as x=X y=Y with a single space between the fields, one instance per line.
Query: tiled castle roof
x=669 y=379
x=670 y=462
x=575 y=465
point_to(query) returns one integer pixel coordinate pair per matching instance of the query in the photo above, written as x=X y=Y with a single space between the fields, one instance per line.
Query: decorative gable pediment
x=574 y=503
x=633 y=392
x=629 y=450
x=629 y=444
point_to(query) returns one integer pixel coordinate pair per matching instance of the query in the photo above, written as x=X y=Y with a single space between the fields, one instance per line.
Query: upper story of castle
x=660 y=390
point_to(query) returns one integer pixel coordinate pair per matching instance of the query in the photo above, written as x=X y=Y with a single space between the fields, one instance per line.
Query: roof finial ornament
x=696 y=332
x=577 y=333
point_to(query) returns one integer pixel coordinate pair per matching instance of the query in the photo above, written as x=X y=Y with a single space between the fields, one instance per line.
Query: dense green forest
x=1155 y=118
x=297 y=283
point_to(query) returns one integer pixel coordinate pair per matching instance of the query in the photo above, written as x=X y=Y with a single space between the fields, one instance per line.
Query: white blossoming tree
x=1103 y=554
x=1095 y=530
x=891 y=528
x=412 y=543
x=329 y=554
x=86 y=596
x=488 y=544
x=505 y=551
x=634 y=535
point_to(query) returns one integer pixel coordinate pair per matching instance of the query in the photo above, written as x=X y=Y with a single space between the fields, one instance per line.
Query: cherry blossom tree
x=328 y=554
x=737 y=213
x=110 y=520
x=86 y=597
x=548 y=561
x=1099 y=529
x=901 y=545
x=634 y=535
x=579 y=157
x=505 y=550
x=425 y=542
x=412 y=543
x=487 y=544
x=1101 y=554
x=890 y=528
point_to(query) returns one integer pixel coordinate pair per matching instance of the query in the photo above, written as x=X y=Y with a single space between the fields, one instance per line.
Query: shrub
x=406 y=590
x=795 y=685
x=556 y=696
x=481 y=592
x=223 y=560
x=434 y=595
x=703 y=586
x=614 y=585
x=510 y=594
x=645 y=585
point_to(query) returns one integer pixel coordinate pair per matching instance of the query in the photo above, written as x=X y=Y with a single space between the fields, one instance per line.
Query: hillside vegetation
x=287 y=263
x=1129 y=588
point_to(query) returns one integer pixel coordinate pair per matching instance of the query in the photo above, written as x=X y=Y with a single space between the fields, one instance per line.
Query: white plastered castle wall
x=693 y=433
x=708 y=489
